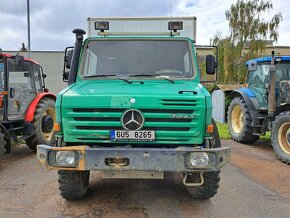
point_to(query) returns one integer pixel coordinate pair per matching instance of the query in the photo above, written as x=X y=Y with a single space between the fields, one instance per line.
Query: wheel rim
x=48 y=112
x=237 y=119
x=284 y=137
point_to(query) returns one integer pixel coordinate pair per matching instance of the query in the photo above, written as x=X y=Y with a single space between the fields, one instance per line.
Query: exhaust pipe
x=76 y=55
x=272 y=87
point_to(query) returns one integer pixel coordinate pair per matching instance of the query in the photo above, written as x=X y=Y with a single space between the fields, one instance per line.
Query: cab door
x=21 y=88
x=257 y=80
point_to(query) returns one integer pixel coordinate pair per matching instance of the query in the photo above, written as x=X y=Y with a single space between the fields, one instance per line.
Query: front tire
x=73 y=184
x=208 y=189
x=239 y=121
x=280 y=136
x=43 y=121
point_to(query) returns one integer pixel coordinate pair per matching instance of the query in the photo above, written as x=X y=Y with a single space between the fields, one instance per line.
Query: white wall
x=52 y=64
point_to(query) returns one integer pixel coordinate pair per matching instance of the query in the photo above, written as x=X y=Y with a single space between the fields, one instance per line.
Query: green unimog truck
x=134 y=108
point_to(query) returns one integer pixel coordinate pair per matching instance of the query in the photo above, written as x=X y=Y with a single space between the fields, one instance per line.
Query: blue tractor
x=262 y=104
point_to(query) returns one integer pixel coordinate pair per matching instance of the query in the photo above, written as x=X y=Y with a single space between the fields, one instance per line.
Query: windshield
x=259 y=77
x=137 y=58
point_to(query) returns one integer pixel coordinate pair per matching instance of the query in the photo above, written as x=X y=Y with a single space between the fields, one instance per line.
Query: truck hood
x=176 y=111
x=92 y=88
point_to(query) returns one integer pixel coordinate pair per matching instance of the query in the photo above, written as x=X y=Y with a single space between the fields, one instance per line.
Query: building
x=52 y=63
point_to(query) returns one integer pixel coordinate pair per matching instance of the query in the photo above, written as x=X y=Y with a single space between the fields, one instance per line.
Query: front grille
x=178 y=102
x=174 y=121
x=88 y=110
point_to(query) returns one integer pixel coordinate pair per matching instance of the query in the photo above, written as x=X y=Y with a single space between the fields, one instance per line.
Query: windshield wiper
x=151 y=75
x=140 y=75
x=109 y=75
x=127 y=81
x=100 y=75
x=170 y=80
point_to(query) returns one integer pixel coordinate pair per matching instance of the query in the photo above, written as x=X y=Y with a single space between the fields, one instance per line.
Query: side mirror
x=252 y=66
x=68 y=54
x=68 y=58
x=12 y=93
x=211 y=64
x=65 y=76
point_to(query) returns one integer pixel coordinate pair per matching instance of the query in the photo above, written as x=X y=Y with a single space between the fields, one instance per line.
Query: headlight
x=65 y=158
x=199 y=159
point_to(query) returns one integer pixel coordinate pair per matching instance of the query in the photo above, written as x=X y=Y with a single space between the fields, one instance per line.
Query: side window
x=37 y=77
x=20 y=77
x=186 y=61
x=91 y=64
x=259 y=78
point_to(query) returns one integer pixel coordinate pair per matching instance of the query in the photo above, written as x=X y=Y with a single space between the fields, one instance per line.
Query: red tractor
x=26 y=107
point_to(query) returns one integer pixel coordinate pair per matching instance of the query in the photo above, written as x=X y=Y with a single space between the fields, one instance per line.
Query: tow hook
x=193 y=179
x=117 y=161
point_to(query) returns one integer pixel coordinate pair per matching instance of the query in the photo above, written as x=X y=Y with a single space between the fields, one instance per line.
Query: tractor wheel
x=43 y=122
x=280 y=136
x=73 y=184
x=239 y=121
x=2 y=144
x=211 y=179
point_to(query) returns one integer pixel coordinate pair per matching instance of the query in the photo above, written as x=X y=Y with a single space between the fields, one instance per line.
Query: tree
x=246 y=22
x=247 y=25
x=226 y=58
x=23 y=47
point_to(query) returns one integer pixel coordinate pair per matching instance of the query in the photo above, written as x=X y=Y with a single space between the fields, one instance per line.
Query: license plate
x=129 y=135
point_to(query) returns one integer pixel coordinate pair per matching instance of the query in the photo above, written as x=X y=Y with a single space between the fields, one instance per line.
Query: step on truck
x=134 y=108
x=27 y=110
x=260 y=105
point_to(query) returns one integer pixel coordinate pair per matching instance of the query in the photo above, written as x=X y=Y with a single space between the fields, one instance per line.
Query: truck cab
x=134 y=108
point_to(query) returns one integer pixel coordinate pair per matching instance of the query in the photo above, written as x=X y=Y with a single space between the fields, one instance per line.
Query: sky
x=52 y=21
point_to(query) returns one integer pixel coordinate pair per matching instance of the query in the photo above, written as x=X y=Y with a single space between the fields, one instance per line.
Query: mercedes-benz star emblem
x=132 y=119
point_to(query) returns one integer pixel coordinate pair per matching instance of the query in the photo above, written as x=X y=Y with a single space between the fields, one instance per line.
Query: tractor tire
x=280 y=136
x=2 y=144
x=211 y=179
x=73 y=185
x=43 y=122
x=239 y=122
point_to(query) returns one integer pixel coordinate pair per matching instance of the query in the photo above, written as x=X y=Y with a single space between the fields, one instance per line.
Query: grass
x=223 y=130
x=225 y=134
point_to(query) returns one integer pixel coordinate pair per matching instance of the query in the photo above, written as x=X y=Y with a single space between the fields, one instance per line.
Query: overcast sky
x=53 y=20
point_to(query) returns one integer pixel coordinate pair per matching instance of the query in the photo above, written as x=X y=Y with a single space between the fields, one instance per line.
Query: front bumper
x=138 y=159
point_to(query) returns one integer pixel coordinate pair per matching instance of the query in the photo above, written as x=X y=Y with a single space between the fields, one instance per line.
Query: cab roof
x=26 y=59
x=268 y=59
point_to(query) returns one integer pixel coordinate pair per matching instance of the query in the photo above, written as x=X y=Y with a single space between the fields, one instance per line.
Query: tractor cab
x=258 y=78
x=20 y=81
